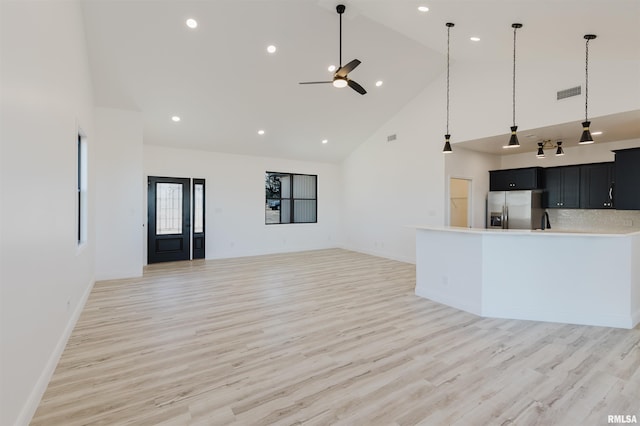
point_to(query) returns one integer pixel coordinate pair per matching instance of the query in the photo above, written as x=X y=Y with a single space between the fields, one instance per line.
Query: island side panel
x=558 y=278
x=449 y=268
x=635 y=279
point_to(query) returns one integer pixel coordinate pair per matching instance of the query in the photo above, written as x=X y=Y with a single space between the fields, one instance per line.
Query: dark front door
x=169 y=231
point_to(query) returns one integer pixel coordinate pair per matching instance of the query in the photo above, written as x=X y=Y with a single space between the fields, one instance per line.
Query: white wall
x=481 y=103
x=390 y=187
x=466 y=164
x=119 y=197
x=45 y=276
x=235 y=204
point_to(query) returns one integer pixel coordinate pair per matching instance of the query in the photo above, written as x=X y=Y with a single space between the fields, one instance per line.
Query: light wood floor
x=327 y=337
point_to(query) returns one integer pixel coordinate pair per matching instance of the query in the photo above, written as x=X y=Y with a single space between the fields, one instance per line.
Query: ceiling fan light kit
x=340 y=77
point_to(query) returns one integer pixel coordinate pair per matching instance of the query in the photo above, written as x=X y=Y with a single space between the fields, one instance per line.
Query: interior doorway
x=460 y=202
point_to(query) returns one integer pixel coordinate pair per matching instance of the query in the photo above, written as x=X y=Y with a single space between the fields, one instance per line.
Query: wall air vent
x=392 y=137
x=567 y=93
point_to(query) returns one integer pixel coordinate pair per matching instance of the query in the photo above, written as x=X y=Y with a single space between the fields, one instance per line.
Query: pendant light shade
x=586 y=133
x=447 y=145
x=540 y=153
x=513 y=139
x=447 y=137
x=586 y=137
x=559 y=151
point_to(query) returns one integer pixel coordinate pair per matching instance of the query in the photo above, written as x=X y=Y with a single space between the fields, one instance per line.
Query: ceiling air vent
x=392 y=137
x=567 y=93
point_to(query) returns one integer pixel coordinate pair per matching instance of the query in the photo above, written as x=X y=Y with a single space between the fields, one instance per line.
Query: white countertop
x=535 y=232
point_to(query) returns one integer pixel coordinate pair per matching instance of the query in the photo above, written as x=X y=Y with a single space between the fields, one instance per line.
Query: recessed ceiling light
x=271 y=49
x=423 y=8
x=378 y=83
x=596 y=133
x=192 y=23
x=261 y=132
x=331 y=68
x=325 y=141
x=175 y=118
x=474 y=38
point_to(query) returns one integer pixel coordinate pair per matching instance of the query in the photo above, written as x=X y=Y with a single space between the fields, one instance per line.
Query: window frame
x=292 y=199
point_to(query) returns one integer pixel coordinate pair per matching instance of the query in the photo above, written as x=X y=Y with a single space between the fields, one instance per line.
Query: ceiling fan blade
x=355 y=86
x=315 y=82
x=342 y=72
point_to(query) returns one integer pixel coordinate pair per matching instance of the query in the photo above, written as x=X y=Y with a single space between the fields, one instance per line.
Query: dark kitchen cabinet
x=596 y=185
x=627 y=179
x=516 y=179
x=562 y=188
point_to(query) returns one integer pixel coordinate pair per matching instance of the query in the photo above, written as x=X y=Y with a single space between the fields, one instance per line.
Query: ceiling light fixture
x=271 y=49
x=331 y=68
x=261 y=132
x=192 y=23
x=474 y=38
x=340 y=82
x=325 y=141
x=547 y=144
x=447 y=136
x=586 y=134
x=378 y=83
x=175 y=118
x=513 y=140
x=423 y=9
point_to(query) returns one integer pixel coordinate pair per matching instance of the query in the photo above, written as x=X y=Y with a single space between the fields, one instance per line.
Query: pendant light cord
x=340 y=41
x=514 y=75
x=448 y=38
x=586 y=78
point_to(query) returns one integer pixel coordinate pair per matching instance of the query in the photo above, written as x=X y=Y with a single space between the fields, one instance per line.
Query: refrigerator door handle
x=505 y=222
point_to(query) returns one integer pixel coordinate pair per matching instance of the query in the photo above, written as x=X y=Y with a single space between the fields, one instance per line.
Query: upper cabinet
x=627 y=179
x=516 y=179
x=596 y=186
x=562 y=189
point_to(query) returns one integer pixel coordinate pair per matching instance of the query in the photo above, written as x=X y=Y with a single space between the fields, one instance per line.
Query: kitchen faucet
x=544 y=221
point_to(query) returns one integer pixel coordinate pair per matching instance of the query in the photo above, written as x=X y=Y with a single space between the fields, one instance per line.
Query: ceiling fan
x=340 y=77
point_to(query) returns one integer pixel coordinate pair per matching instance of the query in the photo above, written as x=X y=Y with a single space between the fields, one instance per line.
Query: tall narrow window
x=290 y=198
x=81 y=188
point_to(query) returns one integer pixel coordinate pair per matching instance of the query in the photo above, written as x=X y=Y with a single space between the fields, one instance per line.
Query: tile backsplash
x=594 y=220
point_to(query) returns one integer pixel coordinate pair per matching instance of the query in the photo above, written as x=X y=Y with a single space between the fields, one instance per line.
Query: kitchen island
x=567 y=277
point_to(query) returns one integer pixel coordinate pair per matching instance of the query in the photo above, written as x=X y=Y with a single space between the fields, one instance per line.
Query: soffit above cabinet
x=614 y=127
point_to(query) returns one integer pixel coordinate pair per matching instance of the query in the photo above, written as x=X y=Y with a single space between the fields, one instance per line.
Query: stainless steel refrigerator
x=514 y=209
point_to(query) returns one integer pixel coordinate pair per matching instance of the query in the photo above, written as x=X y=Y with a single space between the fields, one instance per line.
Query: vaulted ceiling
x=224 y=85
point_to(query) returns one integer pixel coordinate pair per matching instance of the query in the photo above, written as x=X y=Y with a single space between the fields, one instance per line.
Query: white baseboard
x=31 y=405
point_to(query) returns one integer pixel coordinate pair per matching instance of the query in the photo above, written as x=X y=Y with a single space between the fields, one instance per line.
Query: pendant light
x=447 y=137
x=547 y=144
x=586 y=134
x=513 y=140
